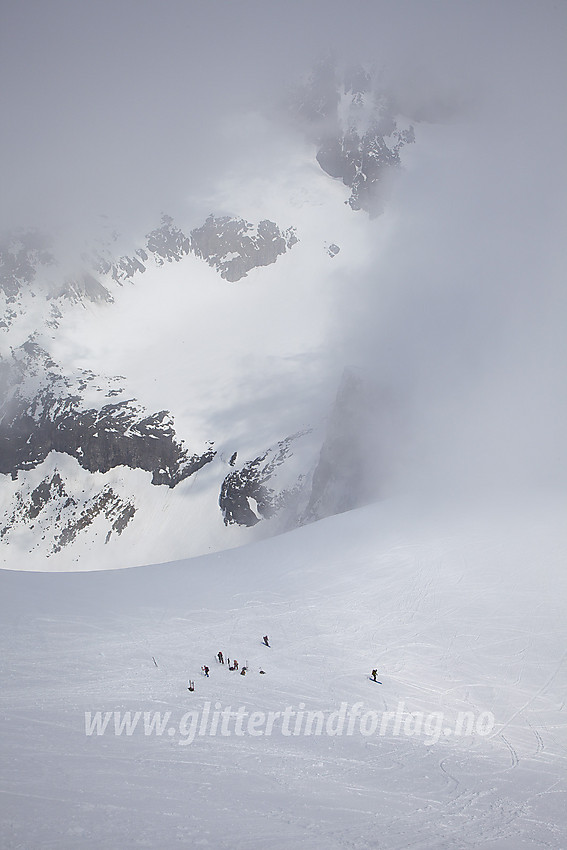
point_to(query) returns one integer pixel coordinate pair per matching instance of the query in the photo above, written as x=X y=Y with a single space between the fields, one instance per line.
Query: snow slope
x=459 y=611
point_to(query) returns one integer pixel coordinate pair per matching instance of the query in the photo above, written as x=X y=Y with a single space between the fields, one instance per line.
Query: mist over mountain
x=264 y=264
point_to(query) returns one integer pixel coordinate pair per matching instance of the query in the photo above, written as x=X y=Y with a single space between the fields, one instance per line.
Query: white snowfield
x=458 y=612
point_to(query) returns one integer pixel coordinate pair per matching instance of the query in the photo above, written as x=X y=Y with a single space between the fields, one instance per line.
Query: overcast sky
x=118 y=106
x=111 y=106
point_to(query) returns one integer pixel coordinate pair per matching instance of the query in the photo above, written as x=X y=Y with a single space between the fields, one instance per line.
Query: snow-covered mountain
x=170 y=362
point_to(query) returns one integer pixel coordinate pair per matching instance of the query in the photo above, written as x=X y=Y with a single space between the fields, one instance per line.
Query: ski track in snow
x=449 y=621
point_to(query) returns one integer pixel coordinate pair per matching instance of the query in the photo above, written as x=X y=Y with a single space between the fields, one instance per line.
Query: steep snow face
x=461 y=616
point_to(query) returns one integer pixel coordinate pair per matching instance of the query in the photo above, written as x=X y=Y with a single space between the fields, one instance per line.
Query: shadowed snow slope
x=459 y=612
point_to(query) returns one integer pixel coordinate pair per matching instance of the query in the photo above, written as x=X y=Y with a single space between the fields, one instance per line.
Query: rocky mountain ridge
x=45 y=410
x=30 y=272
x=53 y=410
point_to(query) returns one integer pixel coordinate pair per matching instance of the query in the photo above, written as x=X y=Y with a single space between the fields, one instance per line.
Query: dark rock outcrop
x=168 y=242
x=29 y=270
x=233 y=246
x=252 y=492
x=61 y=517
x=354 y=127
x=361 y=163
x=55 y=418
x=230 y=245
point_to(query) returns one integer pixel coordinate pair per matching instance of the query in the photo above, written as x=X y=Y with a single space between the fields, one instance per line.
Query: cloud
x=117 y=108
x=464 y=309
x=114 y=107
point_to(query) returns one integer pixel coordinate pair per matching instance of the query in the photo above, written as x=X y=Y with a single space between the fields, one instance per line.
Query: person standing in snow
x=205 y=670
x=235 y=665
x=265 y=639
x=374 y=674
x=220 y=657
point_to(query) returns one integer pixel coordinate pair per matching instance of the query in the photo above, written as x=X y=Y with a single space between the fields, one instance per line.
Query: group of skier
x=231 y=665
x=234 y=666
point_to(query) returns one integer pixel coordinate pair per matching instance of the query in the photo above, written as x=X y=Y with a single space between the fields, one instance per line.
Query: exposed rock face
x=355 y=129
x=233 y=246
x=58 y=517
x=168 y=242
x=30 y=273
x=124 y=268
x=253 y=492
x=165 y=244
x=44 y=411
x=360 y=162
x=116 y=435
